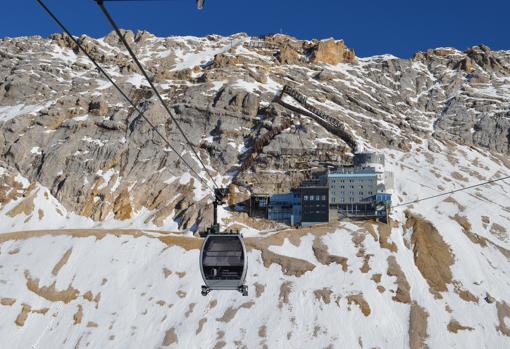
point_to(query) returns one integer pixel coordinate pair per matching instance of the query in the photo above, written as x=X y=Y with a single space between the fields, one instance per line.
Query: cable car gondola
x=223 y=259
x=223 y=263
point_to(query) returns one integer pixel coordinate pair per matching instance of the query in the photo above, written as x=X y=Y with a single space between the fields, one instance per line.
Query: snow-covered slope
x=347 y=285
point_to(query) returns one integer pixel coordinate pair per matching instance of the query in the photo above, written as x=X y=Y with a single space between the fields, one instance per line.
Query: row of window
x=315 y=212
x=358 y=180
x=351 y=186
x=342 y=200
x=343 y=193
x=314 y=197
x=310 y=206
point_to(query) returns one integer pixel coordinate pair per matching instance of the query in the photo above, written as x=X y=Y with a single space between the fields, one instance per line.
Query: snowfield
x=133 y=288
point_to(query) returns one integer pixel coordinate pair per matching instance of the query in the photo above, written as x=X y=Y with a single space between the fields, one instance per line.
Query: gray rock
x=489 y=299
x=83 y=128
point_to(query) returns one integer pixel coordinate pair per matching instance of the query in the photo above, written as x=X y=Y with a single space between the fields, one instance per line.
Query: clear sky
x=369 y=26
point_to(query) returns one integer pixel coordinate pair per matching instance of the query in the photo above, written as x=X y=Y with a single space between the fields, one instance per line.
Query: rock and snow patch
x=9 y=112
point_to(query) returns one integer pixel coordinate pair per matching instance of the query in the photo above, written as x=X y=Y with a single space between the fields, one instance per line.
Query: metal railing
x=324 y=119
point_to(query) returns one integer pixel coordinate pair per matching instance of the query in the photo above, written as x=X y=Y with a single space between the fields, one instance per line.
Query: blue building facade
x=285 y=208
x=383 y=198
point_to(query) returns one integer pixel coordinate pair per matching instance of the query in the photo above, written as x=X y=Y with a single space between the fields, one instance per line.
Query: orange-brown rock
x=454 y=326
x=361 y=302
x=222 y=60
x=26 y=206
x=161 y=74
x=288 y=55
x=503 y=314
x=403 y=288
x=50 y=292
x=332 y=52
x=432 y=255
x=418 y=323
x=122 y=206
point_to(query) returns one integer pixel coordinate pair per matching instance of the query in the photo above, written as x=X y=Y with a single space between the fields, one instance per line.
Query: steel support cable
x=450 y=192
x=149 y=80
x=137 y=0
x=61 y=25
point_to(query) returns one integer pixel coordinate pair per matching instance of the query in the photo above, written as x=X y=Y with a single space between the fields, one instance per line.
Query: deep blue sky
x=370 y=27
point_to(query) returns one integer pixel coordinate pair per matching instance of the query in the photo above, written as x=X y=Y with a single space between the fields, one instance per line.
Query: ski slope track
x=98 y=218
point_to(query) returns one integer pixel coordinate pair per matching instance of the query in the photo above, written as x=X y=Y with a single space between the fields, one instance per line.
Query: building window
x=360 y=193
x=317 y=197
x=306 y=197
x=324 y=197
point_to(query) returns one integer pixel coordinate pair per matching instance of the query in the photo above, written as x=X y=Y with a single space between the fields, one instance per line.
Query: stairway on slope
x=330 y=123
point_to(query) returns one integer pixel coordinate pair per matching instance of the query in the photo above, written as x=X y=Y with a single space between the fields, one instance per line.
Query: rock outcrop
x=63 y=126
x=332 y=52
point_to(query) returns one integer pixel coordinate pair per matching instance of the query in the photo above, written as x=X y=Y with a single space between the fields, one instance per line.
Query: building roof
x=344 y=175
x=313 y=187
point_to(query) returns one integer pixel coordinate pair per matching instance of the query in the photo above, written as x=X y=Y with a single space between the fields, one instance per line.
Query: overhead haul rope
x=59 y=23
x=149 y=80
x=136 y=0
x=114 y=25
x=450 y=192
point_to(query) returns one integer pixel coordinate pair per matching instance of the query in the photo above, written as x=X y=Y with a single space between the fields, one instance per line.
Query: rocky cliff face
x=64 y=127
